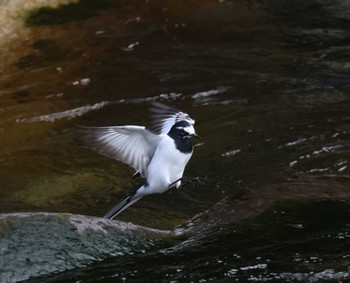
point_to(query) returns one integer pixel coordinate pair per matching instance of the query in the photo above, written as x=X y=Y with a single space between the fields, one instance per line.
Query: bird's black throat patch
x=182 y=142
x=184 y=145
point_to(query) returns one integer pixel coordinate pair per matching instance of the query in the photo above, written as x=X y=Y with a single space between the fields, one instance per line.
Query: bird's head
x=182 y=130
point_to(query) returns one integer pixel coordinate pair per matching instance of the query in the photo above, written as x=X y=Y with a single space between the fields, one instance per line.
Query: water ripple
x=67 y=114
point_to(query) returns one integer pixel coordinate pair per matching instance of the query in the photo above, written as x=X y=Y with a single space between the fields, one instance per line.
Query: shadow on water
x=49 y=51
x=72 y=12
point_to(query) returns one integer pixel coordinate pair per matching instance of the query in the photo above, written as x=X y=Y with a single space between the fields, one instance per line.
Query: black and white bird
x=159 y=154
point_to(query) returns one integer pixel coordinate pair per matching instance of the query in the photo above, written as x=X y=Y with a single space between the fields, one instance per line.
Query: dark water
x=266 y=81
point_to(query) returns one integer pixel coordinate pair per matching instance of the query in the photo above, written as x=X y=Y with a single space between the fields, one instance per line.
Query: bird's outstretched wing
x=133 y=145
x=164 y=117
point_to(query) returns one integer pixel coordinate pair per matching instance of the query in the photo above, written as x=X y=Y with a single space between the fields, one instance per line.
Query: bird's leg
x=136 y=175
x=173 y=183
x=187 y=180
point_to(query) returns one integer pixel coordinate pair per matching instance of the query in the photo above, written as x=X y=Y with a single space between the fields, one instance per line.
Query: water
x=267 y=83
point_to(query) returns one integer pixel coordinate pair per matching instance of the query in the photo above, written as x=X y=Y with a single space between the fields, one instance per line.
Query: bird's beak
x=195 y=136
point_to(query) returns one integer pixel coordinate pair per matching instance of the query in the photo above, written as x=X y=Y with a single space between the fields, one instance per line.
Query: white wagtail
x=159 y=154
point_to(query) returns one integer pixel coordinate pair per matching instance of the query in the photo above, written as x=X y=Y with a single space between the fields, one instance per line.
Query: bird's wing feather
x=164 y=117
x=133 y=145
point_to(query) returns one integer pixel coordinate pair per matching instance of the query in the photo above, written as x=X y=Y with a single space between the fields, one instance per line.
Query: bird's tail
x=119 y=207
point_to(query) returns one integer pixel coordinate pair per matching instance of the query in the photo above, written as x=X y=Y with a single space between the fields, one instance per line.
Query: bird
x=159 y=154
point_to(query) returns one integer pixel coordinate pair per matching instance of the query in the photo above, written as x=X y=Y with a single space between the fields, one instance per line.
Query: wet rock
x=34 y=244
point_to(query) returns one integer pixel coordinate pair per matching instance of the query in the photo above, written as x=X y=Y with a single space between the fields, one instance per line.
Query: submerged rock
x=34 y=244
x=257 y=200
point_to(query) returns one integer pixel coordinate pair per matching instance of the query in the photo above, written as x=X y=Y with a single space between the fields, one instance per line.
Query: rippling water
x=266 y=81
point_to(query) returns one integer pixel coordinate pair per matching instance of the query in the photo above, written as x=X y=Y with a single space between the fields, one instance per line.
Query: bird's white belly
x=166 y=167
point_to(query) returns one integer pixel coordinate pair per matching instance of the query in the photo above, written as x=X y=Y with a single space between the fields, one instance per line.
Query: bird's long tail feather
x=119 y=207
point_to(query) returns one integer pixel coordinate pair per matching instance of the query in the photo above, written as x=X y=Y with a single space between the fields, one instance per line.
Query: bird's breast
x=167 y=166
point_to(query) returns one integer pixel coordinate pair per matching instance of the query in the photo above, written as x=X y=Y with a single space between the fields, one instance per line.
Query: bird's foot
x=189 y=180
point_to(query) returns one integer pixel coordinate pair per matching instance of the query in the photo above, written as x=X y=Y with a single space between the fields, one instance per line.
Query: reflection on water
x=267 y=84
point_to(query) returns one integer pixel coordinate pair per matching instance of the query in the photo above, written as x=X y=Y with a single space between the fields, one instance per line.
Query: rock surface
x=34 y=244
